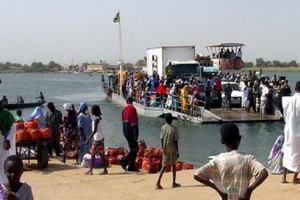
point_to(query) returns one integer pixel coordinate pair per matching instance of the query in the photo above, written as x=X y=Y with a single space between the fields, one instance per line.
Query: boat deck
x=239 y=115
x=208 y=116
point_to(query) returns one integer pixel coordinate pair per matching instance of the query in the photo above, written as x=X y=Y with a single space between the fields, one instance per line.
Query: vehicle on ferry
x=226 y=56
x=236 y=95
x=172 y=61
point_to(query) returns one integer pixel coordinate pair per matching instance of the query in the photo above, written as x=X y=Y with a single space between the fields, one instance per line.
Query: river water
x=197 y=141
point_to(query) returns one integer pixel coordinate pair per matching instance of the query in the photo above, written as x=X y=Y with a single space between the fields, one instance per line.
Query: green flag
x=117 y=18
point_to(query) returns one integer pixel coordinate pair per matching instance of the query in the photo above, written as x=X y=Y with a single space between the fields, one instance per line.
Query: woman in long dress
x=70 y=133
x=245 y=101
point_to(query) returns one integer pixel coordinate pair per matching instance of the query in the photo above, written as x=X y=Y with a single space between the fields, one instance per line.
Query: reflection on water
x=197 y=141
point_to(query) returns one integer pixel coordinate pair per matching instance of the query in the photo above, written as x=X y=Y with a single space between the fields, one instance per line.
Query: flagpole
x=121 y=56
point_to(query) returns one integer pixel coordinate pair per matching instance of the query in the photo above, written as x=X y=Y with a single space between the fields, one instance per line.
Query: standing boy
x=169 y=143
x=230 y=173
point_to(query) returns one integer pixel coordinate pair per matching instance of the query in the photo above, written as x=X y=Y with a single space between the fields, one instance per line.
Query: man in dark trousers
x=53 y=119
x=228 y=91
x=131 y=133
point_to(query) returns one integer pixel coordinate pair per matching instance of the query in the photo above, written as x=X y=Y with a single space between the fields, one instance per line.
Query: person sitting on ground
x=169 y=142
x=230 y=173
x=15 y=189
x=98 y=142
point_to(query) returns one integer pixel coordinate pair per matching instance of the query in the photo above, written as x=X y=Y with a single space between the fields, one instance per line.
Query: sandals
x=297 y=181
x=175 y=185
x=103 y=173
x=159 y=187
x=89 y=172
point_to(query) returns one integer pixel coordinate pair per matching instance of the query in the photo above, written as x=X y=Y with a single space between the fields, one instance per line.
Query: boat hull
x=23 y=105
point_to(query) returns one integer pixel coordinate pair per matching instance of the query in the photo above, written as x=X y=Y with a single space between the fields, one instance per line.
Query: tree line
x=53 y=66
x=34 y=67
x=261 y=63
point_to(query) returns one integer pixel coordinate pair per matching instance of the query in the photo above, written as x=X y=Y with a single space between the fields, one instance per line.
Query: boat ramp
x=202 y=116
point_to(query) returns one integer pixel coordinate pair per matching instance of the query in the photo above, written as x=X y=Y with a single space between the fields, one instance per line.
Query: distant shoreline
x=33 y=72
x=273 y=69
x=264 y=69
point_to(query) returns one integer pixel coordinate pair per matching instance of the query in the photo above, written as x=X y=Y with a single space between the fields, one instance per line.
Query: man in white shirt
x=239 y=54
x=263 y=98
x=291 y=145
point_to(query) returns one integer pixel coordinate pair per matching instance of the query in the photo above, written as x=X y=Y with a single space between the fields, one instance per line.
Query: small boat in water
x=13 y=106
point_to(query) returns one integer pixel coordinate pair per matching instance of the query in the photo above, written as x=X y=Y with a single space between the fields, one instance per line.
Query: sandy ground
x=67 y=181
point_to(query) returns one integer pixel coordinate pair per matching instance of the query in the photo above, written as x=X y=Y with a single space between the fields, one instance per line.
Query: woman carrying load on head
x=70 y=133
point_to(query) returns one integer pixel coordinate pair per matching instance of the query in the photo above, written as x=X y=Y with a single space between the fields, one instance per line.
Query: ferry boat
x=198 y=115
x=217 y=61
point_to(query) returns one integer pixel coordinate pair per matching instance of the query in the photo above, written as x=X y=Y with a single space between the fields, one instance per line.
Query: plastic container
x=22 y=135
x=97 y=164
x=46 y=133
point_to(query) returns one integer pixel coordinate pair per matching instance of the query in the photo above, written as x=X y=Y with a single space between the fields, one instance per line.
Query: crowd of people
x=185 y=94
x=71 y=131
x=230 y=54
x=221 y=173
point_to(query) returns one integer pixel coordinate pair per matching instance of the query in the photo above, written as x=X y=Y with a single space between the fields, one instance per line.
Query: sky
x=77 y=31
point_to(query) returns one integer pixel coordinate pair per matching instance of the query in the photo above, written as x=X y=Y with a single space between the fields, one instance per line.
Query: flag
x=117 y=17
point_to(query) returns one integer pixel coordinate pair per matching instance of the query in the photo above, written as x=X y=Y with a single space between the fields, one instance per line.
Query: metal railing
x=189 y=105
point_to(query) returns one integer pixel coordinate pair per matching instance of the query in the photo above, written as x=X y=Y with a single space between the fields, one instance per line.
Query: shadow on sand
x=52 y=167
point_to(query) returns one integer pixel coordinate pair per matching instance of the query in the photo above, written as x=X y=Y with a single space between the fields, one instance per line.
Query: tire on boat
x=42 y=156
